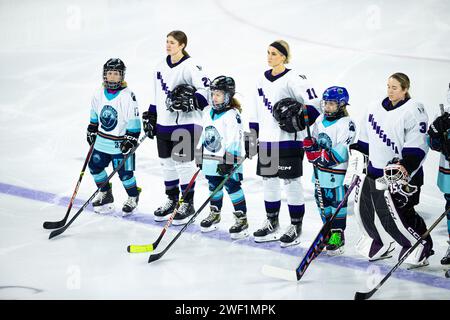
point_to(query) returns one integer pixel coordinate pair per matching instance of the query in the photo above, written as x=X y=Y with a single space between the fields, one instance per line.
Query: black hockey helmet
x=178 y=98
x=113 y=64
x=228 y=86
x=288 y=112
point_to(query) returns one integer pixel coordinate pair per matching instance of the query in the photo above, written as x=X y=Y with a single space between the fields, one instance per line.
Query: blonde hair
x=235 y=104
x=288 y=50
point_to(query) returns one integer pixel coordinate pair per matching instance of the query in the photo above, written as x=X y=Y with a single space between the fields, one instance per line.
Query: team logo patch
x=108 y=118
x=238 y=118
x=212 y=139
x=324 y=141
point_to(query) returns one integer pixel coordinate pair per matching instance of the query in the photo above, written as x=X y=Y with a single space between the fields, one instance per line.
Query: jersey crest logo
x=108 y=118
x=324 y=141
x=212 y=139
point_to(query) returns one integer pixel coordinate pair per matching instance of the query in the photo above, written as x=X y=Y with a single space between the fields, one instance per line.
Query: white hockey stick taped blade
x=280 y=273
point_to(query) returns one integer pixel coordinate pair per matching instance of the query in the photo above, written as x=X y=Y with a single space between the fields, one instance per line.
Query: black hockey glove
x=439 y=126
x=224 y=169
x=91 y=133
x=251 y=144
x=149 y=123
x=182 y=99
x=129 y=142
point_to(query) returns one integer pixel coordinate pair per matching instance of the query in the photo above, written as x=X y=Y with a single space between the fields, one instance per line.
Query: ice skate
x=268 y=232
x=240 y=228
x=184 y=213
x=336 y=243
x=104 y=202
x=292 y=236
x=163 y=213
x=211 y=222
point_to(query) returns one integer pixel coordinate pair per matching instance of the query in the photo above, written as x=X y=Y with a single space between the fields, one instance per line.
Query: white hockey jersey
x=443 y=178
x=115 y=114
x=388 y=132
x=222 y=133
x=166 y=76
x=271 y=89
x=335 y=136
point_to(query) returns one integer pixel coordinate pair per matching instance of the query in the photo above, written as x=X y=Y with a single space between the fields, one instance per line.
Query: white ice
x=51 y=59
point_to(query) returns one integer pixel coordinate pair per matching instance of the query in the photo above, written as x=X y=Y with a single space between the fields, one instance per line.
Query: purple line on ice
x=403 y=274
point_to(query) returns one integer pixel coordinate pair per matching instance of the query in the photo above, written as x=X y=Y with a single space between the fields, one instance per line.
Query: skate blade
x=105 y=209
x=268 y=238
x=417 y=266
x=214 y=227
x=161 y=219
x=241 y=235
x=182 y=221
x=126 y=214
x=289 y=244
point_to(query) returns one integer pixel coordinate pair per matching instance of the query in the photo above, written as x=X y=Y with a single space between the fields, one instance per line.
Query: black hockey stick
x=59 y=224
x=314 y=250
x=157 y=256
x=316 y=175
x=57 y=232
x=367 y=295
x=139 y=248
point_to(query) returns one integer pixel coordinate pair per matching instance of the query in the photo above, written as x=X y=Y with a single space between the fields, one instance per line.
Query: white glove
x=356 y=166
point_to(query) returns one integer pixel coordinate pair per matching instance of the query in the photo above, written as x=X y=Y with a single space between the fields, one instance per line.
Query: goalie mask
x=113 y=64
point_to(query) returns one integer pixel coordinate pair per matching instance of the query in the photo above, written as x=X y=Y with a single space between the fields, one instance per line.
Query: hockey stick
x=157 y=256
x=316 y=175
x=59 y=224
x=314 y=250
x=367 y=295
x=139 y=248
x=57 y=232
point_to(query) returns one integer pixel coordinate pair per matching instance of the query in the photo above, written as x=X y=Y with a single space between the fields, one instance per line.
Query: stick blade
x=154 y=257
x=57 y=232
x=279 y=273
x=53 y=224
x=140 y=248
x=363 y=295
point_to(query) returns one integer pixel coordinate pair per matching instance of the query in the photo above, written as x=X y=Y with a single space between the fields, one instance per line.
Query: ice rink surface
x=52 y=55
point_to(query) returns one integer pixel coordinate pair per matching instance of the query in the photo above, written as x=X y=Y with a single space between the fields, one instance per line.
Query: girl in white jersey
x=280 y=151
x=178 y=96
x=327 y=150
x=114 y=128
x=439 y=140
x=393 y=136
x=219 y=152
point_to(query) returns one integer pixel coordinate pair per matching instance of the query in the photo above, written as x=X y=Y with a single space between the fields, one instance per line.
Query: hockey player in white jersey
x=439 y=140
x=220 y=149
x=327 y=150
x=277 y=122
x=393 y=136
x=114 y=128
x=178 y=96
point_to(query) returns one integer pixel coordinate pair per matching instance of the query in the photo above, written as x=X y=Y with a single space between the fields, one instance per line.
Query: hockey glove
x=129 y=142
x=224 y=169
x=439 y=126
x=149 y=123
x=91 y=133
x=310 y=144
x=251 y=144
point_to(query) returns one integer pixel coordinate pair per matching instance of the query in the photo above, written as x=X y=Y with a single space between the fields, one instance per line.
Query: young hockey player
x=277 y=120
x=393 y=136
x=221 y=147
x=327 y=150
x=439 y=140
x=178 y=96
x=114 y=128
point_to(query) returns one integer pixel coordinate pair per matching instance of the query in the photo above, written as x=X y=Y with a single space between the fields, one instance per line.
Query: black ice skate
x=104 y=202
x=163 y=213
x=446 y=259
x=130 y=205
x=335 y=245
x=240 y=228
x=292 y=236
x=211 y=222
x=184 y=213
x=269 y=231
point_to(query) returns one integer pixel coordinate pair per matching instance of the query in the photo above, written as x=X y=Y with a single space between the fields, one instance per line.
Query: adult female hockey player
x=327 y=150
x=219 y=152
x=114 y=128
x=278 y=122
x=178 y=96
x=439 y=140
x=393 y=136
